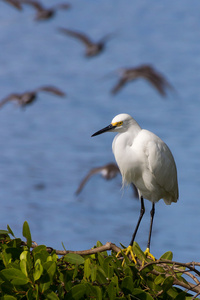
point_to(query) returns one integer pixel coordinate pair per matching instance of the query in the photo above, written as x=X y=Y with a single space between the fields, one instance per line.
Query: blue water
x=46 y=149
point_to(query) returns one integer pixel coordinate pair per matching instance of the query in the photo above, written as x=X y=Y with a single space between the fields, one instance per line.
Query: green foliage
x=41 y=274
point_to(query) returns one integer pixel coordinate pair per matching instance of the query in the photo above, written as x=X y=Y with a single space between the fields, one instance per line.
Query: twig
x=189 y=265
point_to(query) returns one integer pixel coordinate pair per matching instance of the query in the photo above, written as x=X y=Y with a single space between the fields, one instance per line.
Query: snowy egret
x=108 y=171
x=28 y=97
x=92 y=48
x=144 y=71
x=44 y=13
x=145 y=160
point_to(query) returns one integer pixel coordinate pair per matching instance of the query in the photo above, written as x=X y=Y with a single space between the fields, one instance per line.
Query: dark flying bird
x=108 y=172
x=144 y=71
x=14 y=3
x=43 y=13
x=92 y=48
x=26 y=98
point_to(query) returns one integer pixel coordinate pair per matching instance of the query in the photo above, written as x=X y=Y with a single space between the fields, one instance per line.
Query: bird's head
x=120 y=123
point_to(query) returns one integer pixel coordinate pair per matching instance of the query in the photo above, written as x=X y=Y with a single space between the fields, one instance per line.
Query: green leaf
x=75 y=271
x=141 y=294
x=127 y=285
x=108 y=266
x=101 y=259
x=159 y=279
x=76 y=292
x=23 y=255
x=168 y=282
x=7 y=257
x=23 y=267
x=101 y=276
x=159 y=269
x=112 y=291
x=52 y=296
x=41 y=253
x=8 y=297
x=139 y=253
x=27 y=234
x=93 y=272
x=90 y=290
x=63 y=246
x=93 y=292
x=23 y=262
x=173 y=293
x=38 y=270
x=167 y=255
x=16 y=276
x=27 y=257
x=10 y=231
x=182 y=295
x=87 y=269
x=98 y=293
x=114 y=279
x=33 y=293
x=50 y=268
x=99 y=244
x=4 y=232
x=44 y=286
x=74 y=258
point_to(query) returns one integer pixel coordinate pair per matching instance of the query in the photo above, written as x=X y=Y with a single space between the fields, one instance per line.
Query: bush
x=29 y=271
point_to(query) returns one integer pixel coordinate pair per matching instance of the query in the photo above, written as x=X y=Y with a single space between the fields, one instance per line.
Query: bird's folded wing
x=162 y=165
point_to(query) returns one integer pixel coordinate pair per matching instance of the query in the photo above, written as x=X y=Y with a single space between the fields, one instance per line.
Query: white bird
x=147 y=162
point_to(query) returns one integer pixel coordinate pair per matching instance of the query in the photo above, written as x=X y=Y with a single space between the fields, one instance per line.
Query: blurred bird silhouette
x=26 y=98
x=92 y=48
x=43 y=13
x=144 y=71
x=108 y=172
x=14 y=3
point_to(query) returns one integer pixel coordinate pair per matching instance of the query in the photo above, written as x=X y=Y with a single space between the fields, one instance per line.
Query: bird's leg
x=142 y=211
x=147 y=251
x=129 y=250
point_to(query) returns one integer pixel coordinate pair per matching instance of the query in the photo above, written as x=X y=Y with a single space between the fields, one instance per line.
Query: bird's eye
x=117 y=124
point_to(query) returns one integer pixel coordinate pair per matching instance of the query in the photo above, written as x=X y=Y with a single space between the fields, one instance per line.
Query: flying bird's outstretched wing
x=119 y=85
x=9 y=98
x=144 y=71
x=87 y=177
x=51 y=89
x=38 y=6
x=62 y=6
x=156 y=79
x=82 y=37
x=15 y=3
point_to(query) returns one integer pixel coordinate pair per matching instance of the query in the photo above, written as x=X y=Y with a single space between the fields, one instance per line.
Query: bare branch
x=107 y=247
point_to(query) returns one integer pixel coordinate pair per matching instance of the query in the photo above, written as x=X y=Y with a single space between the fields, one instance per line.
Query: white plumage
x=144 y=160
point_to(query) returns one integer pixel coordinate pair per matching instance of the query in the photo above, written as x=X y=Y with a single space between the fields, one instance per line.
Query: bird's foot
x=128 y=252
x=148 y=254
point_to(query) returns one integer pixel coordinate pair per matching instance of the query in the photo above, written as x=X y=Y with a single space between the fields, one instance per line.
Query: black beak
x=107 y=128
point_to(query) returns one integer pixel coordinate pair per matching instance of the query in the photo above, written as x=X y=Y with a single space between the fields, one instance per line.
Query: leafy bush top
x=41 y=273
